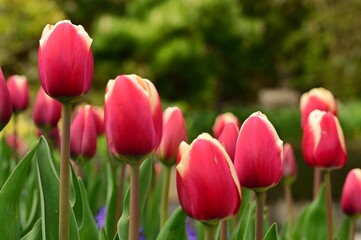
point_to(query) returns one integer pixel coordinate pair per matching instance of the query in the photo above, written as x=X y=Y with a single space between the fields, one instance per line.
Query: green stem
x=317 y=175
x=223 y=231
x=259 y=215
x=134 y=202
x=165 y=195
x=64 y=173
x=289 y=202
x=209 y=230
x=119 y=201
x=351 y=233
x=327 y=175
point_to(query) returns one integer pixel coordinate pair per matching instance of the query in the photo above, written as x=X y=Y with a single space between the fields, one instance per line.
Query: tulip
x=258 y=160
x=83 y=135
x=228 y=138
x=19 y=91
x=65 y=61
x=317 y=98
x=289 y=163
x=133 y=128
x=99 y=120
x=351 y=198
x=222 y=121
x=5 y=102
x=17 y=144
x=46 y=112
x=207 y=184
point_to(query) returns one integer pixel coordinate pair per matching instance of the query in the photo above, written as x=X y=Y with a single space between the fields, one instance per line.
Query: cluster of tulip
x=211 y=171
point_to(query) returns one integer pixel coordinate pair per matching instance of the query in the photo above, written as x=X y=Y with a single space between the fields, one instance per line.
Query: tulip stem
x=351 y=233
x=289 y=202
x=327 y=175
x=134 y=202
x=259 y=215
x=120 y=189
x=317 y=176
x=64 y=173
x=165 y=195
x=209 y=230
x=223 y=231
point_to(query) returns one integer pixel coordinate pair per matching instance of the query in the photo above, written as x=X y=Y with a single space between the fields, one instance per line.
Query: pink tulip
x=222 y=121
x=83 y=134
x=174 y=132
x=5 y=102
x=46 y=112
x=65 y=61
x=351 y=193
x=99 y=119
x=289 y=163
x=132 y=116
x=317 y=98
x=259 y=154
x=207 y=184
x=19 y=91
x=323 y=143
x=228 y=138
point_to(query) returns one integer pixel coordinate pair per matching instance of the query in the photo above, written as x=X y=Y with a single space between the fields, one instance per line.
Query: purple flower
x=100 y=217
x=191 y=233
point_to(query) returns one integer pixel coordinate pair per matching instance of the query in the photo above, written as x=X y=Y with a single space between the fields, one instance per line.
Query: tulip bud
x=228 y=138
x=289 y=163
x=47 y=111
x=259 y=154
x=5 y=102
x=99 y=119
x=351 y=193
x=323 y=143
x=132 y=116
x=207 y=184
x=174 y=132
x=65 y=61
x=222 y=121
x=83 y=135
x=317 y=98
x=19 y=91
x=18 y=144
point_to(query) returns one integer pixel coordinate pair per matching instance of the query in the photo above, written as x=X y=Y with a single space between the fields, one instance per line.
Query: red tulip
x=19 y=91
x=228 y=138
x=99 y=119
x=132 y=116
x=259 y=154
x=323 y=143
x=351 y=193
x=46 y=112
x=317 y=98
x=5 y=102
x=65 y=61
x=18 y=144
x=222 y=121
x=207 y=184
x=174 y=132
x=83 y=134
x=289 y=163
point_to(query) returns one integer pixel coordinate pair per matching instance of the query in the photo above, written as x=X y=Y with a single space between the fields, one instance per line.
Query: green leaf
x=35 y=232
x=246 y=226
x=76 y=202
x=175 y=227
x=5 y=166
x=10 y=195
x=145 y=180
x=103 y=235
x=344 y=229
x=110 y=222
x=272 y=233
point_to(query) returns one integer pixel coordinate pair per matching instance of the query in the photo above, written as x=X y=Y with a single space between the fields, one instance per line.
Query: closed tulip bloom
x=65 y=61
x=174 y=132
x=228 y=138
x=259 y=154
x=221 y=121
x=351 y=193
x=133 y=116
x=323 y=142
x=46 y=111
x=99 y=119
x=83 y=135
x=5 y=102
x=289 y=163
x=19 y=91
x=207 y=184
x=317 y=98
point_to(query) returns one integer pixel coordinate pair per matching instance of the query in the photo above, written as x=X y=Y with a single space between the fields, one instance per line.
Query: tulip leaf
x=10 y=195
x=145 y=179
x=5 y=163
x=343 y=231
x=49 y=187
x=272 y=233
x=103 y=235
x=110 y=222
x=175 y=227
x=35 y=232
x=245 y=228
